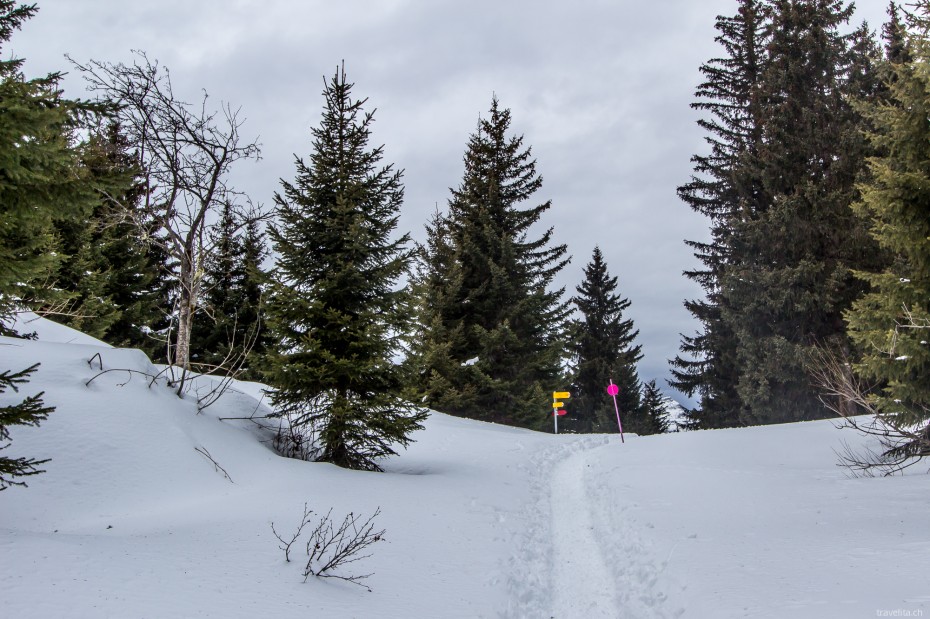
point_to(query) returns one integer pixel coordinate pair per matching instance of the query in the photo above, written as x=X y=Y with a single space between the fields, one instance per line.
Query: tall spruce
x=43 y=183
x=489 y=341
x=602 y=346
x=798 y=249
x=786 y=150
x=723 y=189
x=891 y=323
x=334 y=308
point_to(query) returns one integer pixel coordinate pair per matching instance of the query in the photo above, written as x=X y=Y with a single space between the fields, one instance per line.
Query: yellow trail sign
x=558 y=404
x=558 y=395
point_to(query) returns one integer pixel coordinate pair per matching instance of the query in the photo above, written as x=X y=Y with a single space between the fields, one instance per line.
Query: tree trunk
x=186 y=304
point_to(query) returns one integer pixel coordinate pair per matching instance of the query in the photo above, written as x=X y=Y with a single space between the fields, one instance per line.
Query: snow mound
x=50 y=331
x=152 y=508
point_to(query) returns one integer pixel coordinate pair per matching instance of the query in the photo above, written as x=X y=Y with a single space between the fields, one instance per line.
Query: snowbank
x=132 y=519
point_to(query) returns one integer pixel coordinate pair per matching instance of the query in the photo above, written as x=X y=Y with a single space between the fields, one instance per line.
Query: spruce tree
x=655 y=410
x=723 y=188
x=229 y=332
x=794 y=277
x=216 y=324
x=28 y=412
x=251 y=311
x=112 y=272
x=603 y=350
x=891 y=323
x=490 y=332
x=334 y=307
x=44 y=180
x=43 y=183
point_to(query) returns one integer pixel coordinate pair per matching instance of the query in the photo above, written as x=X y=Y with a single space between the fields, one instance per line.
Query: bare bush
x=331 y=548
x=903 y=443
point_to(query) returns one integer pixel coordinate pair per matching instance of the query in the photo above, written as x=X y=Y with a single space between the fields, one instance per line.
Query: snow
x=130 y=520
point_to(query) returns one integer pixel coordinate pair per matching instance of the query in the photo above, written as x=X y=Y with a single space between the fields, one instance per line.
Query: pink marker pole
x=613 y=390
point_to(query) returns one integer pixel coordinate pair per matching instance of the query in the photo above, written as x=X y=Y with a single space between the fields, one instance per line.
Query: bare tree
x=186 y=152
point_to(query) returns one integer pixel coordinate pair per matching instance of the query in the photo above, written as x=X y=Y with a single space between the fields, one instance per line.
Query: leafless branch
x=203 y=450
x=286 y=545
x=844 y=393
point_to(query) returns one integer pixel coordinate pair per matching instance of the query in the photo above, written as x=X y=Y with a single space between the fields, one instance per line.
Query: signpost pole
x=556 y=396
x=613 y=390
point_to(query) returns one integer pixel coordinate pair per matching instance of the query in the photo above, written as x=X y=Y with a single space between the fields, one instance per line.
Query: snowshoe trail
x=582 y=583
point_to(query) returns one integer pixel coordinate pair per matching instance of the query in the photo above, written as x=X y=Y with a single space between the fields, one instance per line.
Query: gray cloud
x=600 y=89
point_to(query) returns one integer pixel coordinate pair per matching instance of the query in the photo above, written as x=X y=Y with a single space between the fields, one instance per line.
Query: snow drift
x=132 y=519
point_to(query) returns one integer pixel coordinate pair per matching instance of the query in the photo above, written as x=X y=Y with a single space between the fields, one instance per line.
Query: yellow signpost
x=557 y=404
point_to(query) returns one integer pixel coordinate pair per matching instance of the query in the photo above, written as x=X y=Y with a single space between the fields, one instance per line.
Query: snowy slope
x=482 y=520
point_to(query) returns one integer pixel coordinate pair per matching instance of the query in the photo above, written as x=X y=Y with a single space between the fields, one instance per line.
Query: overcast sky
x=599 y=88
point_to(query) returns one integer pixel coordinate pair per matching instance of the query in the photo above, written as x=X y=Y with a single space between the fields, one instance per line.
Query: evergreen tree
x=655 y=410
x=786 y=150
x=723 y=188
x=115 y=276
x=797 y=251
x=229 y=332
x=891 y=323
x=216 y=325
x=489 y=331
x=29 y=412
x=603 y=350
x=251 y=312
x=43 y=182
x=334 y=306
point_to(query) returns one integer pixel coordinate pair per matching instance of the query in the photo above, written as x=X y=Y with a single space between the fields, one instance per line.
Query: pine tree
x=229 y=330
x=655 y=410
x=891 y=323
x=334 y=306
x=793 y=279
x=44 y=182
x=216 y=324
x=251 y=311
x=603 y=350
x=723 y=188
x=113 y=274
x=490 y=330
x=29 y=412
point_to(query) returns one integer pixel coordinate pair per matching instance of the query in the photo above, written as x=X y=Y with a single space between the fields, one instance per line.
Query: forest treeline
x=119 y=218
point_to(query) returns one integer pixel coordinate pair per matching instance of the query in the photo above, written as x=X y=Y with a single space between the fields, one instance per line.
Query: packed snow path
x=581 y=583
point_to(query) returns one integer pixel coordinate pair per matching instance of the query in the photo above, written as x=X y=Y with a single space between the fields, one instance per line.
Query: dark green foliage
x=488 y=343
x=601 y=343
x=229 y=331
x=29 y=412
x=215 y=325
x=722 y=188
x=786 y=153
x=42 y=181
x=655 y=411
x=112 y=270
x=891 y=324
x=797 y=251
x=334 y=307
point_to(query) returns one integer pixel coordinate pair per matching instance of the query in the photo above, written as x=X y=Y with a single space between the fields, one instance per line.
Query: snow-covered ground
x=131 y=520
